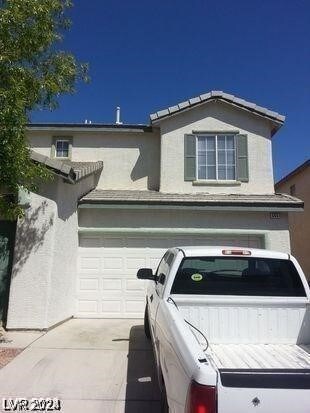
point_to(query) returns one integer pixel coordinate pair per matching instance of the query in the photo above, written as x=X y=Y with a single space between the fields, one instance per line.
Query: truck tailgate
x=262 y=400
x=262 y=377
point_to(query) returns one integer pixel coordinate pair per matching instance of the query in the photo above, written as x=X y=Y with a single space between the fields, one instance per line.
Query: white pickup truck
x=230 y=329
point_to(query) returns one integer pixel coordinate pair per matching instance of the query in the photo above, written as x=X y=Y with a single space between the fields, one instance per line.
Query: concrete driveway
x=91 y=365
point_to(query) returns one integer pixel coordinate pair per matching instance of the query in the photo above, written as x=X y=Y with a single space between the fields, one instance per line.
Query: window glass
x=62 y=149
x=210 y=143
x=216 y=157
x=211 y=172
x=202 y=172
x=163 y=269
x=238 y=276
x=230 y=142
x=221 y=142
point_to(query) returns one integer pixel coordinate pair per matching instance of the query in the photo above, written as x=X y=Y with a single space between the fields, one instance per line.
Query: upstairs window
x=216 y=157
x=62 y=148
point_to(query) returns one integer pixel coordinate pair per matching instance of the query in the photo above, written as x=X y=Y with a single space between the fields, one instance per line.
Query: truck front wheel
x=147 y=324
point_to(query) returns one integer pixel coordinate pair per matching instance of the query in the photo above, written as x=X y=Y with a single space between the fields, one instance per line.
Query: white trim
x=178 y=231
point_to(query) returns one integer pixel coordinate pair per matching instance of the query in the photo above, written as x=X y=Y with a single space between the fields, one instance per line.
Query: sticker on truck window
x=196 y=277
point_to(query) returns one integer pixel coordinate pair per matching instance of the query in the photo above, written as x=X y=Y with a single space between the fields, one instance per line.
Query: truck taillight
x=201 y=399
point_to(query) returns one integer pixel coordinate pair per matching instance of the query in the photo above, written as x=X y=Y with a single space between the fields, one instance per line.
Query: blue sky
x=146 y=55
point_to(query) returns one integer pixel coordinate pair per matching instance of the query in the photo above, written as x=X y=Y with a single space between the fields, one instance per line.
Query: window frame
x=216 y=135
x=56 y=139
x=62 y=150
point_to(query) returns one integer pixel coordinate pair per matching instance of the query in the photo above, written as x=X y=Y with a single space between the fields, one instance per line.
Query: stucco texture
x=220 y=117
x=45 y=257
x=299 y=223
x=130 y=159
x=274 y=232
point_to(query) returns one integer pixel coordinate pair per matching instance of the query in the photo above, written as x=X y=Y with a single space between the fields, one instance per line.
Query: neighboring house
x=297 y=183
x=200 y=174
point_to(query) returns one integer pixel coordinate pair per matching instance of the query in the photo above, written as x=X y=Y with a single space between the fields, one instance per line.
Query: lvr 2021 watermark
x=21 y=404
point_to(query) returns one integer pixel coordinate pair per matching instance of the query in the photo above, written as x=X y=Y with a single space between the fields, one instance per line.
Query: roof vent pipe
x=118 y=116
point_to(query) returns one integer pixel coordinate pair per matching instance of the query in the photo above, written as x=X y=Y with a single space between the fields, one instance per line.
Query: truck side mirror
x=145 y=274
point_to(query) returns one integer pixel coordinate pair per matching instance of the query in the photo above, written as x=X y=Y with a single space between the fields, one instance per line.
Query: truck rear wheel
x=164 y=407
x=147 y=331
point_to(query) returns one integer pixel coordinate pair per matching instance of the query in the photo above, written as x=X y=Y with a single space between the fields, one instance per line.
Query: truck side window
x=163 y=270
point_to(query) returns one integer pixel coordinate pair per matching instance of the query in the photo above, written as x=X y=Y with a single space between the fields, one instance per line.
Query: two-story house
x=199 y=174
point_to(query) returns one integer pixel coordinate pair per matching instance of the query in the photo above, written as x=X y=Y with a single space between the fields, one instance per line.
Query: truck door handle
x=151 y=297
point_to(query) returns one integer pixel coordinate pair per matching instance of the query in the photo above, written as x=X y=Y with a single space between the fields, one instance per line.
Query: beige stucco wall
x=130 y=159
x=45 y=258
x=155 y=160
x=216 y=116
x=299 y=222
x=273 y=231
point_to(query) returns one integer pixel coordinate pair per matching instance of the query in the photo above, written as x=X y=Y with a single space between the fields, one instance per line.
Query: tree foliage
x=33 y=74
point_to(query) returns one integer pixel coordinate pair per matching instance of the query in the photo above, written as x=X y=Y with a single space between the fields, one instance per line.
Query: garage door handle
x=151 y=297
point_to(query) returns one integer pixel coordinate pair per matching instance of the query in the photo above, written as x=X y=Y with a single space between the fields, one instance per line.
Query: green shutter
x=242 y=158
x=189 y=158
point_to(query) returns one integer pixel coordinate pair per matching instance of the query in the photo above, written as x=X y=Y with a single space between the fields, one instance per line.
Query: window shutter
x=189 y=158
x=242 y=158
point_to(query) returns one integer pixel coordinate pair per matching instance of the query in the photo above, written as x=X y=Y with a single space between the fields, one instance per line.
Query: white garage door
x=107 y=266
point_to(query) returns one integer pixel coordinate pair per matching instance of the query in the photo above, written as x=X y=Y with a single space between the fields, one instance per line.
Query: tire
x=164 y=408
x=147 y=331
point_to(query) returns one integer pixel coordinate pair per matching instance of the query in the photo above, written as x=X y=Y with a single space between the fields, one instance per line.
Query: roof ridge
x=217 y=94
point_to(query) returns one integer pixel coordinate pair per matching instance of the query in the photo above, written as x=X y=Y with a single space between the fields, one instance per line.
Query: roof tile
x=202 y=199
x=184 y=104
x=72 y=171
x=193 y=101
x=274 y=116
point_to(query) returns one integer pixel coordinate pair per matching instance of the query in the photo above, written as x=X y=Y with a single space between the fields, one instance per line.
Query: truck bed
x=260 y=356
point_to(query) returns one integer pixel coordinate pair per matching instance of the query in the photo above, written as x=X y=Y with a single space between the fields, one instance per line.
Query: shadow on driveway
x=142 y=392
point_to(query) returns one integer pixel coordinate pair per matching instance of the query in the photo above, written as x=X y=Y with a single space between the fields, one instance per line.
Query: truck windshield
x=238 y=276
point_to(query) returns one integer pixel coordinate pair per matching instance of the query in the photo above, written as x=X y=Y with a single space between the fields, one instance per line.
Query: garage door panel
x=107 y=286
x=135 y=262
x=133 y=285
x=112 y=284
x=89 y=284
x=112 y=263
x=110 y=306
x=90 y=263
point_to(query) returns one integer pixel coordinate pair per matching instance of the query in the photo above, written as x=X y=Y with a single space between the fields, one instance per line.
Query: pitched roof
x=292 y=173
x=276 y=201
x=70 y=171
x=218 y=95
